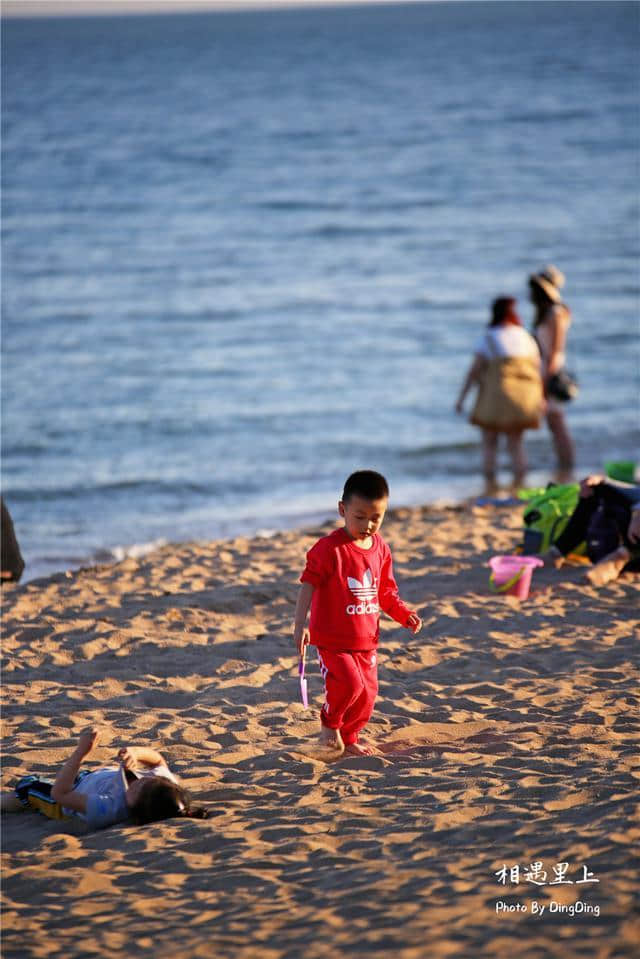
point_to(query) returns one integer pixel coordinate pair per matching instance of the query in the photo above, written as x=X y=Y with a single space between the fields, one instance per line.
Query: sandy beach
x=508 y=737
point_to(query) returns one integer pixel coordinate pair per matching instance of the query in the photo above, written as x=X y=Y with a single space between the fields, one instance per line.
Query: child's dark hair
x=161 y=799
x=366 y=483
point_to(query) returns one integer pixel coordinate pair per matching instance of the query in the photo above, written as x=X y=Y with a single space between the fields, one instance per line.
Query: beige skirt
x=510 y=396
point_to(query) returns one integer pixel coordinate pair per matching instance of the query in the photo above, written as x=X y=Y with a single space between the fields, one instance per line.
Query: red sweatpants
x=351 y=687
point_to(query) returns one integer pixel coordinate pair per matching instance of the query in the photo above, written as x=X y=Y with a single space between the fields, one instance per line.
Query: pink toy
x=512 y=574
x=303 y=682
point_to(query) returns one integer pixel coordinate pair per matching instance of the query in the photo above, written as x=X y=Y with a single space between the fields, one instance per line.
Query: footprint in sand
x=323 y=754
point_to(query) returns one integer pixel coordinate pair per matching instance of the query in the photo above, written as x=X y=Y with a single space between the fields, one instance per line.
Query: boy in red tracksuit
x=348 y=579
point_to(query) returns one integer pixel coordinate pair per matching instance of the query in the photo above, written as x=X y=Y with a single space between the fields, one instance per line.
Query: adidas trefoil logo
x=366 y=592
x=367 y=589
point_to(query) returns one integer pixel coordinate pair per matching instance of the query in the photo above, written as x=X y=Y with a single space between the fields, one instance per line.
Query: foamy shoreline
x=506 y=730
x=261 y=525
x=248 y=526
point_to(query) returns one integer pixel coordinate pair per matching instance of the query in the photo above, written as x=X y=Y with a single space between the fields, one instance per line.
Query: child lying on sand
x=347 y=580
x=141 y=788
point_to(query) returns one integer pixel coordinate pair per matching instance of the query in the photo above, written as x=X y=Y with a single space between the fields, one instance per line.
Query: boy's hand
x=87 y=740
x=414 y=623
x=132 y=756
x=301 y=638
x=127 y=756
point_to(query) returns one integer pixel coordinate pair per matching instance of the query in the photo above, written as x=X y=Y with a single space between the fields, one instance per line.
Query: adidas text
x=362 y=609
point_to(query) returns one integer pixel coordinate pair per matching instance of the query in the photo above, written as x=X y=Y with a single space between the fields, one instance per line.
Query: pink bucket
x=512 y=574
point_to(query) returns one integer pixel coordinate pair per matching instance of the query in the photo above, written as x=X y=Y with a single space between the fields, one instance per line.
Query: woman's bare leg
x=489 y=453
x=518 y=456
x=562 y=442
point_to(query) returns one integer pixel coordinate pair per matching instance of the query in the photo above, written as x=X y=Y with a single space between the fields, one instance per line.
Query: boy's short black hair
x=366 y=483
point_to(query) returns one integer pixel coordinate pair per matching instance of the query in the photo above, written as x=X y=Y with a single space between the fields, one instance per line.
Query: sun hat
x=551 y=280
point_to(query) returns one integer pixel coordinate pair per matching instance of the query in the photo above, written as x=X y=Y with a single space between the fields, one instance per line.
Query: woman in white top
x=506 y=369
x=550 y=325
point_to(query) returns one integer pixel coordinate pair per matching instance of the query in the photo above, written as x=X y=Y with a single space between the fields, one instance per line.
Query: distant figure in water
x=506 y=370
x=11 y=561
x=550 y=325
x=140 y=787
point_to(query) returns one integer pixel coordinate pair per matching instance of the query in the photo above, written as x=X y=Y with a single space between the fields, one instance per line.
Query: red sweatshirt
x=351 y=586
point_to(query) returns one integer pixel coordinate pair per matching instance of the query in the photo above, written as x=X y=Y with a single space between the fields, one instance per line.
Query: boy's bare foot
x=608 y=568
x=331 y=739
x=361 y=749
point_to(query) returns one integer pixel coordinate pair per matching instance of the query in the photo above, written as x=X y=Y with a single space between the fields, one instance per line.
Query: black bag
x=606 y=529
x=562 y=386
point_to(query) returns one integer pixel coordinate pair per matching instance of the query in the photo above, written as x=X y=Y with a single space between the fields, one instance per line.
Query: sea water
x=247 y=253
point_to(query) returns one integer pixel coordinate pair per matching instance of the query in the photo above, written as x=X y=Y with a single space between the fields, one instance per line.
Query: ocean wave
x=435 y=448
x=31 y=450
x=77 y=493
x=537 y=117
x=332 y=231
x=134 y=551
x=216 y=161
x=299 y=206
